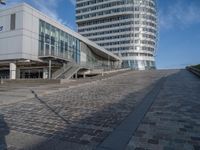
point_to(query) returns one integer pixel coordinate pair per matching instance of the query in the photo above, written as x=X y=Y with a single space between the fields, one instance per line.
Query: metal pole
x=49 y=69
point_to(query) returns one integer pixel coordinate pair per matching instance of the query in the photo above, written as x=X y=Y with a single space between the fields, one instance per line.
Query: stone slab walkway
x=173 y=121
x=84 y=116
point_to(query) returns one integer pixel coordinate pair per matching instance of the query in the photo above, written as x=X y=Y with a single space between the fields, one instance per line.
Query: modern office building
x=128 y=28
x=32 y=45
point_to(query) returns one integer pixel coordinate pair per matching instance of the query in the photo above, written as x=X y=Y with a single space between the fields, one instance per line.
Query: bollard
x=84 y=75
x=1 y=80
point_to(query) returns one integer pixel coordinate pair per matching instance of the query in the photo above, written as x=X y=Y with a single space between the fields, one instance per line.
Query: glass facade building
x=55 y=42
x=43 y=48
x=128 y=28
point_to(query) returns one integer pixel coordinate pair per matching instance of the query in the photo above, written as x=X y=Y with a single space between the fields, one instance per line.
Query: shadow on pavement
x=4 y=130
x=90 y=130
x=106 y=120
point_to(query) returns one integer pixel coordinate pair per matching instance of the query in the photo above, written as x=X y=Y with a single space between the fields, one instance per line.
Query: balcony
x=54 y=54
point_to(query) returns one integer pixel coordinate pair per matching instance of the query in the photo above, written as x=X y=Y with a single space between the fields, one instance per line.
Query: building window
x=12 y=21
x=56 y=42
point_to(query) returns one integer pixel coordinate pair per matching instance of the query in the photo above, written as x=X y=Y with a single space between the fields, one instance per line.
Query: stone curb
x=120 y=137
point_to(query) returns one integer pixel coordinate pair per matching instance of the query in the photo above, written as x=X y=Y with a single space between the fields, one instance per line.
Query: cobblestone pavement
x=173 y=121
x=16 y=92
x=75 y=118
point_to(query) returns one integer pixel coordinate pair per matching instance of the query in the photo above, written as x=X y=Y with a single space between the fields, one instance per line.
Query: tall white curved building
x=128 y=28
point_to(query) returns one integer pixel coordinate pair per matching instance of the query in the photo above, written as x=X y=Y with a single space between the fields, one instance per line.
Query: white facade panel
x=25 y=36
x=30 y=34
x=11 y=40
x=4 y=23
x=32 y=39
x=10 y=47
x=83 y=57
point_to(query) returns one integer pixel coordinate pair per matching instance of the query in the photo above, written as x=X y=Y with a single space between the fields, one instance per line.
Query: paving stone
x=174 y=117
x=168 y=148
x=196 y=138
x=83 y=116
x=93 y=109
x=139 y=148
x=153 y=141
x=196 y=147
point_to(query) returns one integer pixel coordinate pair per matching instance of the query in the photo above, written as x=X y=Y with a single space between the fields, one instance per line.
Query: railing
x=98 y=65
x=194 y=70
x=74 y=69
x=65 y=55
x=61 y=70
x=69 y=56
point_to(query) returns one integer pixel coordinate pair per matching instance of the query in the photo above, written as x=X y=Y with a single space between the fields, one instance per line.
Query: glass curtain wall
x=55 y=42
x=134 y=64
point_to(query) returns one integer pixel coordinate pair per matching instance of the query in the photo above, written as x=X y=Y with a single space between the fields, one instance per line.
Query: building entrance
x=31 y=73
x=5 y=74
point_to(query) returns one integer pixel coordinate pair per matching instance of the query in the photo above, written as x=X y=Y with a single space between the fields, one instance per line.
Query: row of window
x=144 y=35
x=149 y=3
x=102 y=6
x=146 y=23
x=124 y=18
x=105 y=20
x=119 y=31
x=145 y=42
x=90 y=2
x=136 y=64
x=145 y=9
x=145 y=48
x=55 y=42
x=108 y=32
x=128 y=42
x=117 y=10
x=112 y=4
x=135 y=54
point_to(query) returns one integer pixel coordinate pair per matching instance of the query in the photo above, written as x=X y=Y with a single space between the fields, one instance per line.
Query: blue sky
x=179 y=27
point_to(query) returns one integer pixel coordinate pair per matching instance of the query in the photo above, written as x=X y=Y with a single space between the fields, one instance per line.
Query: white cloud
x=11 y=3
x=179 y=15
x=49 y=8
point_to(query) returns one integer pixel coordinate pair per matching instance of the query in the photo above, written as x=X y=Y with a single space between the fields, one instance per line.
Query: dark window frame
x=12 y=21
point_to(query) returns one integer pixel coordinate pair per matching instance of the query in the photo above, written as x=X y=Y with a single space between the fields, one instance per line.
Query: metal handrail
x=194 y=70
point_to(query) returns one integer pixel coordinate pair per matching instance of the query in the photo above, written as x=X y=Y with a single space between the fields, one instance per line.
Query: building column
x=45 y=73
x=18 y=73
x=141 y=65
x=76 y=75
x=13 y=71
x=84 y=75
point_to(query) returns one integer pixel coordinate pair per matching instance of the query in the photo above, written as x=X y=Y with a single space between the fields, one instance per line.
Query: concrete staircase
x=72 y=71
x=61 y=71
x=66 y=72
